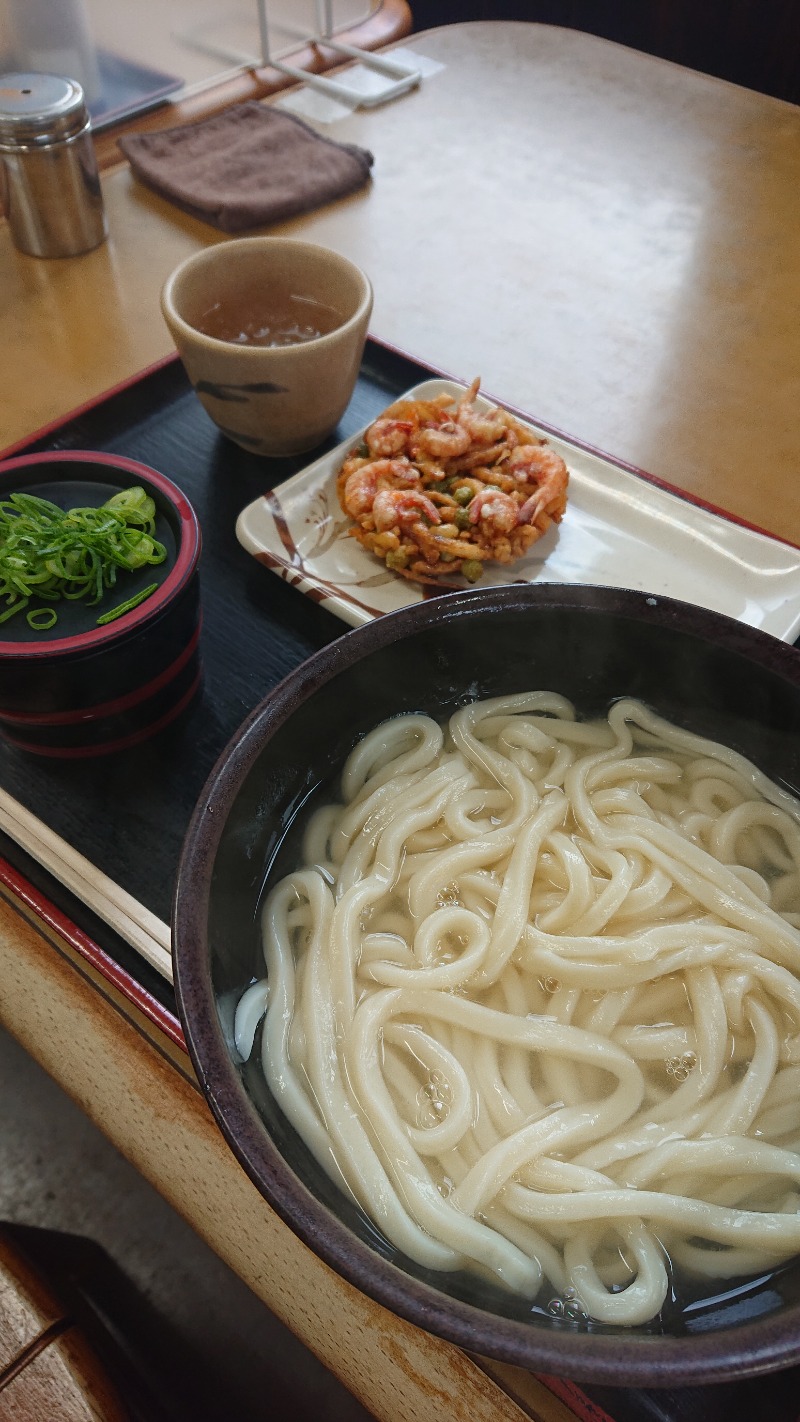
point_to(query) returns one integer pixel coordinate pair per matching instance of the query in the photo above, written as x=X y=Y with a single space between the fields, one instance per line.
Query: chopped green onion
x=15 y=607
x=35 y=616
x=126 y=606
x=135 y=506
x=48 y=553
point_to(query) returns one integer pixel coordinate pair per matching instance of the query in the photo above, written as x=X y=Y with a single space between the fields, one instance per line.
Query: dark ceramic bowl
x=701 y=670
x=80 y=689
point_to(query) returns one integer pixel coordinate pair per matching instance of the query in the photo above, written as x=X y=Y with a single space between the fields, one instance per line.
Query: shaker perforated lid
x=39 y=109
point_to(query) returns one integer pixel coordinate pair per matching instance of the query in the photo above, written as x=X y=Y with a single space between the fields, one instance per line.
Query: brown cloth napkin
x=246 y=167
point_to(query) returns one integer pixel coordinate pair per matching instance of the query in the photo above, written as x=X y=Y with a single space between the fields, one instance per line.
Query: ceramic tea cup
x=271 y=331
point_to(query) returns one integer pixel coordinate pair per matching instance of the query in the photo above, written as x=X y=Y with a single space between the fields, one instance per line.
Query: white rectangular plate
x=619 y=530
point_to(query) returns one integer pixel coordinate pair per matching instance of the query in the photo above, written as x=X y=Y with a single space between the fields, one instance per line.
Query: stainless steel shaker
x=50 y=185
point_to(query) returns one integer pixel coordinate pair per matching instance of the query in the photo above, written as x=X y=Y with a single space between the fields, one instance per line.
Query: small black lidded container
x=49 y=183
x=88 y=689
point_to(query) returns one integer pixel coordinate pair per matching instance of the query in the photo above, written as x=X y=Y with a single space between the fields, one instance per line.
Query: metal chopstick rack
x=405 y=77
x=399 y=69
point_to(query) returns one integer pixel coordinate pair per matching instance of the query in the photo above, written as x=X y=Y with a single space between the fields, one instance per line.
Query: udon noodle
x=534 y=1000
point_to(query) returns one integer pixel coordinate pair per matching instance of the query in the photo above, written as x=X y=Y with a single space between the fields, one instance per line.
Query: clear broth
x=275 y=317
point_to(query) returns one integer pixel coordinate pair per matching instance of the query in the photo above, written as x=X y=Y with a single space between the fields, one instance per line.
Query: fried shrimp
x=439 y=488
x=363 y=483
x=445 y=441
x=535 y=462
x=394 y=507
x=483 y=426
x=495 y=509
x=387 y=437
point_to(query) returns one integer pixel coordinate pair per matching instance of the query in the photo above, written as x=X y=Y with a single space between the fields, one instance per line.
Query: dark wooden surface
x=49 y=1366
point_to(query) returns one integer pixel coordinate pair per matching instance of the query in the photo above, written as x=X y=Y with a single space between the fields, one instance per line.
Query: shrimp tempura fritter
x=438 y=488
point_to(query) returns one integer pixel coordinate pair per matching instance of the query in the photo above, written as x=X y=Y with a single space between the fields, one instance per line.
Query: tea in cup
x=271 y=331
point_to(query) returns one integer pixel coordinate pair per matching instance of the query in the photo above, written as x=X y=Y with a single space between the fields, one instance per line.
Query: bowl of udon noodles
x=487 y=948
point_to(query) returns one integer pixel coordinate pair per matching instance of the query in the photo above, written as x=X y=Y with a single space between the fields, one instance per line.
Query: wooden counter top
x=609 y=240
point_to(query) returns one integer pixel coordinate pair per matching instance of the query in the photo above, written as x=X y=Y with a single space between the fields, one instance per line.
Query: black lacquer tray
x=127 y=814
